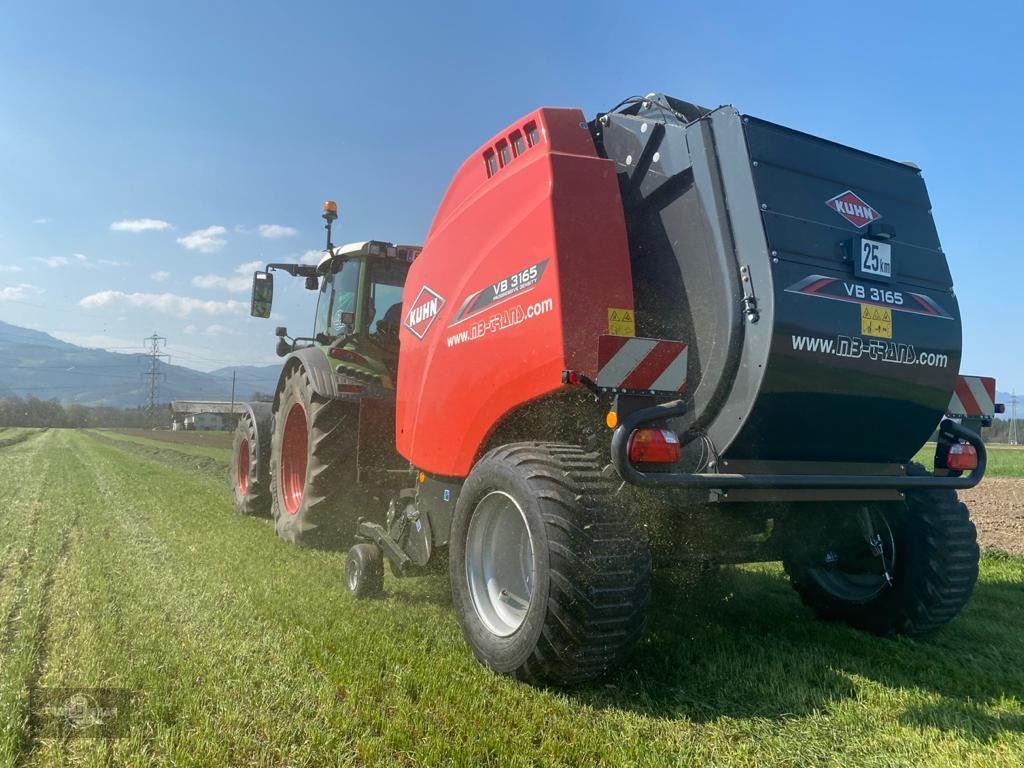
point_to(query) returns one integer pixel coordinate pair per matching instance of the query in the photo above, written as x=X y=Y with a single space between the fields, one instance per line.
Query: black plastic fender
x=321 y=377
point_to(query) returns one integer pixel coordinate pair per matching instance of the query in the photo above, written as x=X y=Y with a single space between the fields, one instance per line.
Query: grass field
x=121 y=566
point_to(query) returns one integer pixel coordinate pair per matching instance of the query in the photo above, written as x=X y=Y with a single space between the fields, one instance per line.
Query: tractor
x=666 y=335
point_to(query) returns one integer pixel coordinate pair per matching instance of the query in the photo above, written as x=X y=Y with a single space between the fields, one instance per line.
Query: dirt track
x=997 y=508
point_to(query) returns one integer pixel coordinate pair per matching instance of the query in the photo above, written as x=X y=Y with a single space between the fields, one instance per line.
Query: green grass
x=1003 y=460
x=119 y=569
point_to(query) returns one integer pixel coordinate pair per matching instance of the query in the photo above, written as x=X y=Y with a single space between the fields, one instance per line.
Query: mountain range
x=33 y=363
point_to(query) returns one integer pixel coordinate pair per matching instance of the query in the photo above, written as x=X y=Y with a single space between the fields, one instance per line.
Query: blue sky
x=216 y=118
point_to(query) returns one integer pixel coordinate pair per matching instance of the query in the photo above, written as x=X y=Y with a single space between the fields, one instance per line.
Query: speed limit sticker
x=874 y=260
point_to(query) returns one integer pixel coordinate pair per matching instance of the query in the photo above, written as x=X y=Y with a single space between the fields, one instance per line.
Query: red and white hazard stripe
x=647 y=365
x=973 y=396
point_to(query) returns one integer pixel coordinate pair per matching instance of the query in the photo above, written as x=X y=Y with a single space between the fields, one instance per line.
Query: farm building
x=204 y=414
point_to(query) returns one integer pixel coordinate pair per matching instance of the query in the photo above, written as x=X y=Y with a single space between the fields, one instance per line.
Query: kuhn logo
x=422 y=313
x=853 y=209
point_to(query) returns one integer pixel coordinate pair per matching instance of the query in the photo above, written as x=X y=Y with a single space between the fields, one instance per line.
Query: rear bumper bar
x=629 y=473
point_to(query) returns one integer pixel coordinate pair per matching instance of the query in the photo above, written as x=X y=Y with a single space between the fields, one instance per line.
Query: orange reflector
x=653 y=446
x=612 y=419
x=962 y=456
x=422 y=478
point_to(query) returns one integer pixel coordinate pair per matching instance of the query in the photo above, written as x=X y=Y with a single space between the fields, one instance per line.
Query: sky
x=150 y=153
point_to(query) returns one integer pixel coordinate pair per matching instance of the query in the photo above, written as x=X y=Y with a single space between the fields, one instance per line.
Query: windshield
x=336 y=307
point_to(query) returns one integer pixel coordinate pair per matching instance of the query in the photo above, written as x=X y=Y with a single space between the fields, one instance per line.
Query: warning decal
x=621 y=322
x=875 y=321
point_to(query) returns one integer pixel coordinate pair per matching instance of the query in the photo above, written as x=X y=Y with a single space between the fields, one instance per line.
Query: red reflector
x=962 y=456
x=347 y=355
x=653 y=446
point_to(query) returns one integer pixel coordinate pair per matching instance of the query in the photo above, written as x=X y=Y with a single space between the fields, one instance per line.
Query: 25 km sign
x=874 y=260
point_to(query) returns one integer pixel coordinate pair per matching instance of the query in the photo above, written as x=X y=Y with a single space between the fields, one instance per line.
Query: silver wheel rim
x=499 y=563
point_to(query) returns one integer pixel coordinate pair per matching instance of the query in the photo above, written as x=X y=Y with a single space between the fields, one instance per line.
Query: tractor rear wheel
x=249 y=471
x=550 y=583
x=900 y=568
x=312 y=466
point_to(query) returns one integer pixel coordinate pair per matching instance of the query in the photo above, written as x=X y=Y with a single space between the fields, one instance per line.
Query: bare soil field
x=997 y=508
x=207 y=439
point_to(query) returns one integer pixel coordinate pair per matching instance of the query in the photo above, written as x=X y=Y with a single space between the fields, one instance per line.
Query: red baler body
x=523 y=263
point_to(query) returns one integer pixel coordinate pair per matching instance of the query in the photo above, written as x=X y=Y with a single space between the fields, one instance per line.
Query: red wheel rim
x=294 y=458
x=242 y=471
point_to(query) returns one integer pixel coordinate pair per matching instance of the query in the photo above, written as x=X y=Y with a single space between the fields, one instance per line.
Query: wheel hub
x=500 y=566
x=859 y=563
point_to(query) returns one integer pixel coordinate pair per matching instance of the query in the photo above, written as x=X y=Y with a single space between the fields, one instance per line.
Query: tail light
x=962 y=456
x=653 y=446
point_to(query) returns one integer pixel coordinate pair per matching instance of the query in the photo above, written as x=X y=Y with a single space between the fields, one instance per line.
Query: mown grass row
x=126 y=571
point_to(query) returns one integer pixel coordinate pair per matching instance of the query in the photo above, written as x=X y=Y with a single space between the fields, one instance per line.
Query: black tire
x=591 y=566
x=249 y=473
x=934 y=570
x=327 y=514
x=364 y=571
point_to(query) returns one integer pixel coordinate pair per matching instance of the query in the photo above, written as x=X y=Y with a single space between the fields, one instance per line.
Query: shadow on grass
x=741 y=645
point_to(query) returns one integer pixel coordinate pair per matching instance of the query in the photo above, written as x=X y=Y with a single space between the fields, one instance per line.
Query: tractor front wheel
x=893 y=568
x=549 y=582
x=312 y=466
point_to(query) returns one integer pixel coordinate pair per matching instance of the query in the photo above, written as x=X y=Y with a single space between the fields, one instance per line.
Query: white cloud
x=249 y=267
x=112 y=263
x=160 y=276
x=18 y=292
x=80 y=256
x=240 y=282
x=10 y=268
x=274 y=231
x=140 y=225
x=312 y=257
x=41 y=220
x=52 y=261
x=234 y=284
x=216 y=329
x=209 y=240
x=191 y=329
x=168 y=303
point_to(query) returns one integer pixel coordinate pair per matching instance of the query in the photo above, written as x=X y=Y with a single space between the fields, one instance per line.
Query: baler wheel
x=550 y=582
x=930 y=575
x=313 y=466
x=249 y=471
x=364 y=571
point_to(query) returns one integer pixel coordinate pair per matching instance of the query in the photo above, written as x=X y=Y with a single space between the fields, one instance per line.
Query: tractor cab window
x=384 y=308
x=336 y=307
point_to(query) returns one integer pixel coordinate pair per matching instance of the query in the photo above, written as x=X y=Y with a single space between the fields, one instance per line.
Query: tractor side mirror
x=262 y=294
x=312 y=283
x=281 y=331
x=283 y=347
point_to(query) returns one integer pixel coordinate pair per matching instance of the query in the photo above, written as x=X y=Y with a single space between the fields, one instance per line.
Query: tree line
x=33 y=412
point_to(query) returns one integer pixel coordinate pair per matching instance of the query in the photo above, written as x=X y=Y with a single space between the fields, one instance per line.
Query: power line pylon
x=153 y=346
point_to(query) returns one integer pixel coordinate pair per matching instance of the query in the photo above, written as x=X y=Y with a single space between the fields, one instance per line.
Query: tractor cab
x=358 y=311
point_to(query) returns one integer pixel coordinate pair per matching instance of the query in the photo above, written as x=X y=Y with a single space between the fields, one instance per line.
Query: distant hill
x=37 y=364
